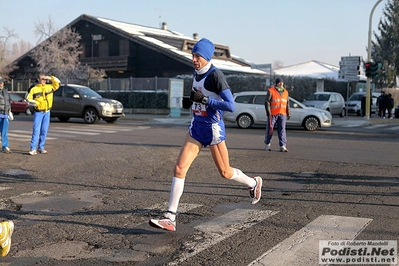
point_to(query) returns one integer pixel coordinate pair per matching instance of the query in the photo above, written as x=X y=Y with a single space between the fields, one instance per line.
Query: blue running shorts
x=207 y=134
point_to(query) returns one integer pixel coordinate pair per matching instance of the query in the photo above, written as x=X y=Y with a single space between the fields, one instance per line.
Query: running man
x=211 y=95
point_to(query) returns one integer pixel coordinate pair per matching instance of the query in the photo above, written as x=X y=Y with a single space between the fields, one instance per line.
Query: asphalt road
x=88 y=201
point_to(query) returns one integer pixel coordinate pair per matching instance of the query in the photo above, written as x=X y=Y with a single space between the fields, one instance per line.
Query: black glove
x=198 y=96
x=186 y=102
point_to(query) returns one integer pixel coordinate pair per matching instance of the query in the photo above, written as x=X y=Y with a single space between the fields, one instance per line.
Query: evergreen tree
x=386 y=47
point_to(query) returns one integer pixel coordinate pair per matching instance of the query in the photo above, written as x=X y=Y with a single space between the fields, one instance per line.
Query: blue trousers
x=41 y=123
x=4 y=123
x=279 y=120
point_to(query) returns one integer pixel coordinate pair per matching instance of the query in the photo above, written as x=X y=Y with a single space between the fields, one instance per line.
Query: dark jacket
x=5 y=106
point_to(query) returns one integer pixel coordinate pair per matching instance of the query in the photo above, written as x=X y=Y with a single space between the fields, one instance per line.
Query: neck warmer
x=204 y=69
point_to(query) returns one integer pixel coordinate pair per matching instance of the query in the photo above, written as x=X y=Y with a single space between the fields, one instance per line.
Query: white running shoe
x=255 y=193
x=164 y=222
x=283 y=149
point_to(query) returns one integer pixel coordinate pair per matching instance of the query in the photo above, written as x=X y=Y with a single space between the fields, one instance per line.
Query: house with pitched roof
x=129 y=50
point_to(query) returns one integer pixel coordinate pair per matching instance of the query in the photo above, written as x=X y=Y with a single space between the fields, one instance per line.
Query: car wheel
x=311 y=123
x=110 y=120
x=343 y=112
x=245 y=121
x=358 y=113
x=63 y=118
x=90 y=116
x=27 y=111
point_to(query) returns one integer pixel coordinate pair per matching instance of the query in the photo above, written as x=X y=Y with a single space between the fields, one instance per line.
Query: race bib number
x=199 y=109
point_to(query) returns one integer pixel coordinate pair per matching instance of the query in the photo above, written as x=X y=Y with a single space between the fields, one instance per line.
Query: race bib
x=199 y=109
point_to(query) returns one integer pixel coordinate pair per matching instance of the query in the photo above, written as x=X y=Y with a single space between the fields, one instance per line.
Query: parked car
x=354 y=102
x=329 y=101
x=72 y=100
x=18 y=104
x=250 y=110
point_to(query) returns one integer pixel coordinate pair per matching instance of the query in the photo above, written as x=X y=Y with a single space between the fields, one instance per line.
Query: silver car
x=250 y=110
x=354 y=103
x=72 y=100
x=329 y=101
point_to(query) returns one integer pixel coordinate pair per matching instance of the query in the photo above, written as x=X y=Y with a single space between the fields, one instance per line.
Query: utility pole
x=369 y=60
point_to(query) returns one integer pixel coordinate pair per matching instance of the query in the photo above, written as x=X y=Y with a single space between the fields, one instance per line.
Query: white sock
x=239 y=176
x=175 y=193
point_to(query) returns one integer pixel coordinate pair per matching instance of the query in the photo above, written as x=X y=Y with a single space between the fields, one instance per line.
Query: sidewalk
x=361 y=121
x=185 y=119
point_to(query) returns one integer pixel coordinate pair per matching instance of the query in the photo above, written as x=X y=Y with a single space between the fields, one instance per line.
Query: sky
x=260 y=31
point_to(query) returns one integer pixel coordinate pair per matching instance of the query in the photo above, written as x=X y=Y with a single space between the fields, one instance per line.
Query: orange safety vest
x=278 y=102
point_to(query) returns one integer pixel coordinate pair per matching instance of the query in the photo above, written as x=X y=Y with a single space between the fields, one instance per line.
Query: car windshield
x=356 y=97
x=319 y=97
x=87 y=92
x=15 y=97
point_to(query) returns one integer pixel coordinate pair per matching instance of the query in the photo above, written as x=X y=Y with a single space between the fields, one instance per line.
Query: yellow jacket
x=41 y=96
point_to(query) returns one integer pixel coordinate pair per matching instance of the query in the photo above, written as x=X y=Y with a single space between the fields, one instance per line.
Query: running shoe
x=7 y=150
x=164 y=223
x=5 y=237
x=42 y=151
x=268 y=147
x=33 y=152
x=283 y=149
x=255 y=193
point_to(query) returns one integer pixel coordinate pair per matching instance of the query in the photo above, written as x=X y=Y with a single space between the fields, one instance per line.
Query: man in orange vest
x=278 y=111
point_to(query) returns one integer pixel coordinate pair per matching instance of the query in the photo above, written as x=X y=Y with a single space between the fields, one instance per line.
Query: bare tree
x=44 y=29
x=278 y=64
x=59 y=54
x=19 y=48
x=5 y=51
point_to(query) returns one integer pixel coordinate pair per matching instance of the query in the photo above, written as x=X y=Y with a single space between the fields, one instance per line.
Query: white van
x=354 y=103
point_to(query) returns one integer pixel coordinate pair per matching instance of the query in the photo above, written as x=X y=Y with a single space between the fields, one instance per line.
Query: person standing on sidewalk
x=390 y=105
x=381 y=104
x=278 y=112
x=5 y=110
x=211 y=95
x=41 y=96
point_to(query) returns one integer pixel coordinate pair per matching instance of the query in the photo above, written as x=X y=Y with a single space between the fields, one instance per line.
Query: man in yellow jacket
x=41 y=97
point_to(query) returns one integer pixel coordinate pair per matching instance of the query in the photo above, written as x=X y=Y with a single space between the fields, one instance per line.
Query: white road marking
x=66 y=131
x=220 y=228
x=376 y=126
x=393 y=128
x=18 y=136
x=302 y=248
x=85 y=129
x=71 y=132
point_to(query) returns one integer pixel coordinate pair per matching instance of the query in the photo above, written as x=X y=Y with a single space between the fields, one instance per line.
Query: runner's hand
x=197 y=96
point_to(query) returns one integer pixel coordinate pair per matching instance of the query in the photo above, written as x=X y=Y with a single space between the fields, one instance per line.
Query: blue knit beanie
x=204 y=48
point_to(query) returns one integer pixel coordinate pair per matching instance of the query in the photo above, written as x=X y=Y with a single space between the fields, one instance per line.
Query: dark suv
x=79 y=101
